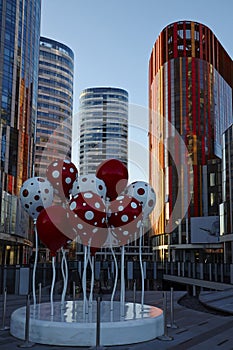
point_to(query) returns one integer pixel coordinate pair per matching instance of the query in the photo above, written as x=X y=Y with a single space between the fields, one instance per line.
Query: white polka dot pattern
x=125 y=213
x=89 y=183
x=89 y=219
x=62 y=174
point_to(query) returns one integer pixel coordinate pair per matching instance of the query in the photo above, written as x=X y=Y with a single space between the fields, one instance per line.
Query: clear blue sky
x=112 y=39
x=112 y=42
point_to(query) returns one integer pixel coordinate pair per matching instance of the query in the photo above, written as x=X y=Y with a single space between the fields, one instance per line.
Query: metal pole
x=39 y=296
x=27 y=343
x=165 y=336
x=4 y=328
x=73 y=291
x=172 y=324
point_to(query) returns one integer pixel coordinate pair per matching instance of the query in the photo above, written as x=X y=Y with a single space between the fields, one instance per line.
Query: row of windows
x=52 y=44
x=53 y=57
x=54 y=99
x=100 y=124
x=51 y=82
x=55 y=74
x=59 y=139
x=55 y=92
x=56 y=108
x=47 y=139
x=52 y=116
x=104 y=97
x=105 y=103
x=104 y=90
x=111 y=135
x=50 y=124
x=56 y=67
x=96 y=158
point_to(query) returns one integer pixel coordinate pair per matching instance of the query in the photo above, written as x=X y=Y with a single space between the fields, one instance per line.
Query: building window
x=212 y=179
x=212 y=199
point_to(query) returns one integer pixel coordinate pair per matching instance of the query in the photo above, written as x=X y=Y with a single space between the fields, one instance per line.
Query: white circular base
x=72 y=325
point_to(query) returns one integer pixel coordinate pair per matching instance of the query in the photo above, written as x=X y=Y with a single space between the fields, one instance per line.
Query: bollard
x=172 y=324
x=73 y=291
x=98 y=301
x=4 y=328
x=134 y=291
x=97 y=346
x=39 y=296
x=165 y=336
x=27 y=343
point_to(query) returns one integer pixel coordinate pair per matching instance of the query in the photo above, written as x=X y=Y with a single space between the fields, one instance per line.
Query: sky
x=112 y=42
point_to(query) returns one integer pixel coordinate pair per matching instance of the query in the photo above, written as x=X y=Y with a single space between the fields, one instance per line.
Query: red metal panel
x=194 y=111
x=186 y=94
x=196 y=192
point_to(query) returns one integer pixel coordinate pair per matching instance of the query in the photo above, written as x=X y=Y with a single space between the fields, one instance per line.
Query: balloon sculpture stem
x=35 y=266
x=64 y=274
x=84 y=282
x=141 y=266
x=122 y=297
x=53 y=284
x=91 y=261
x=116 y=277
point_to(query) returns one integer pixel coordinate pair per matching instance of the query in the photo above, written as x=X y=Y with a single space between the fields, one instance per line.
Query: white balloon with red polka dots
x=144 y=193
x=36 y=194
x=91 y=183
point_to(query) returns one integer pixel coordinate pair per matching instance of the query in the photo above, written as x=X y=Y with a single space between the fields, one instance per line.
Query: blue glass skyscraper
x=55 y=104
x=19 y=52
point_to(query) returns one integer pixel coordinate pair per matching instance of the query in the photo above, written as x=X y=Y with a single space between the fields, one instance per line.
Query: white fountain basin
x=72 y=325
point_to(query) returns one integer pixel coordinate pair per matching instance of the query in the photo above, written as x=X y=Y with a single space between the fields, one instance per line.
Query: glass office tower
x=103 y=127
x=55 y=104
x=190 y=100
x=19 y=53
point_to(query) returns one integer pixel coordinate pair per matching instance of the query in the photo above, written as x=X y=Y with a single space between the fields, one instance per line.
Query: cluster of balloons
x=93 y=206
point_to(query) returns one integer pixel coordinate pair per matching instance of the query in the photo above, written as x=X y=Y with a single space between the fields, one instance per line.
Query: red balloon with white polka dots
x=124 y=217
x=89 y=217
x=62 y=173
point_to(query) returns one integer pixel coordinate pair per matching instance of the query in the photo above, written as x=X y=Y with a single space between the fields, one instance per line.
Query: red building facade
x=190 y=101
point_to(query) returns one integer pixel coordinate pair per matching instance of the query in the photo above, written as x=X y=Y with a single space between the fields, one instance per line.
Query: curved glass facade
x=19 y=52
x=226 y=207
x=190 y=87
x=55 y=104
x=103 y=127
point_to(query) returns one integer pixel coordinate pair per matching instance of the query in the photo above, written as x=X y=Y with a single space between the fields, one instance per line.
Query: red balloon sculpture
x=91 y=218
x=62 y=173
x=125 y=215
x=52 y=223
x=115 y=176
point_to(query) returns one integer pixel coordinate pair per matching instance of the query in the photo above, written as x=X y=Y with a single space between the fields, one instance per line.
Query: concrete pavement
x=196 y=330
